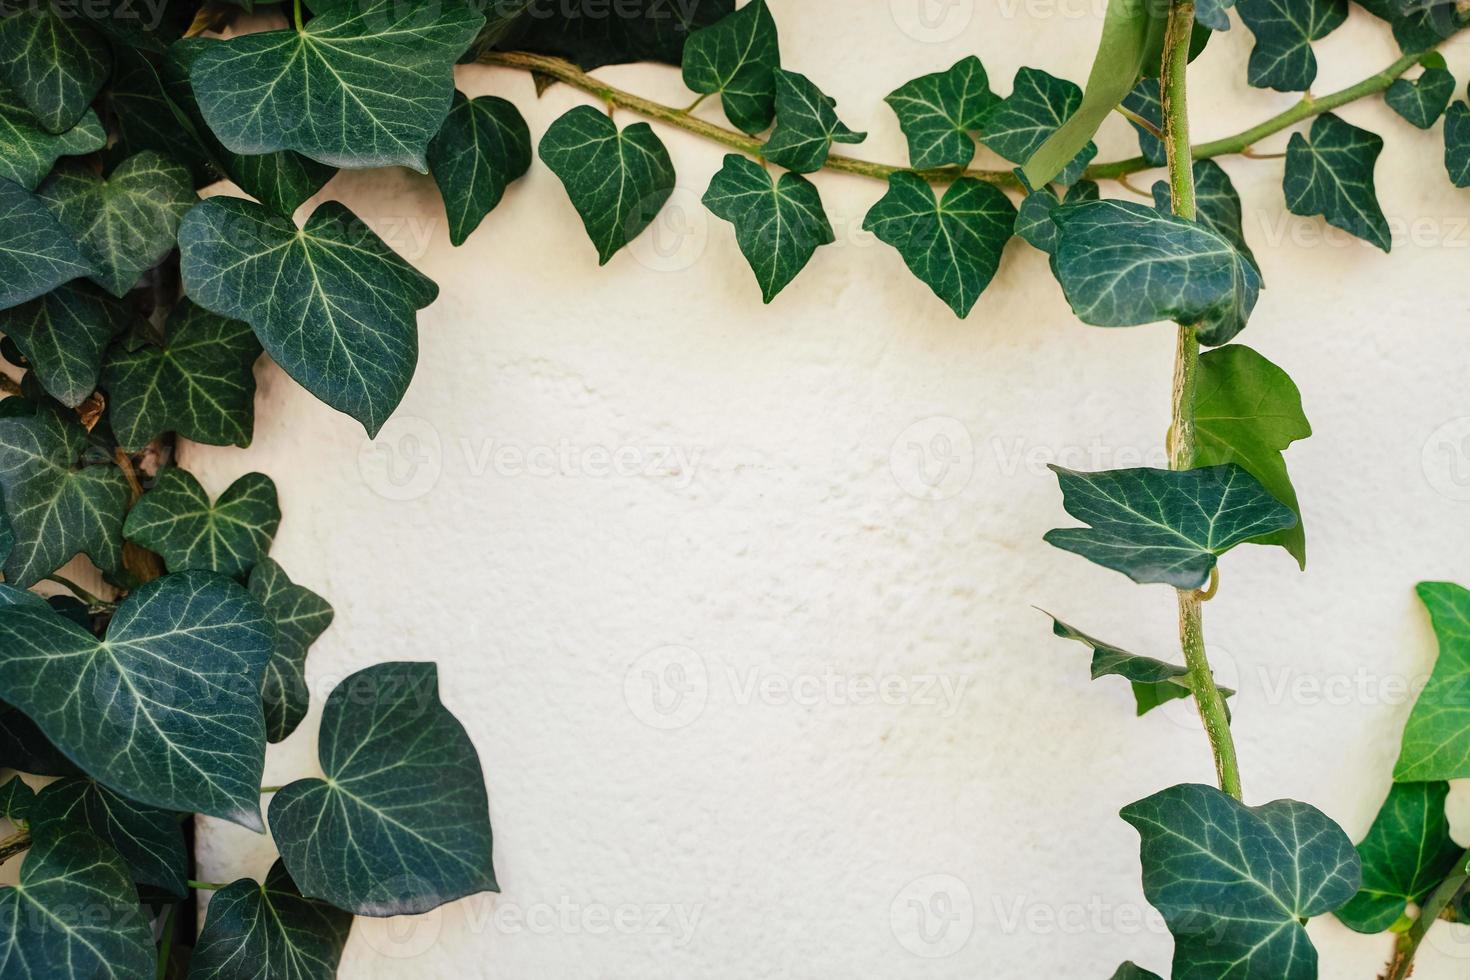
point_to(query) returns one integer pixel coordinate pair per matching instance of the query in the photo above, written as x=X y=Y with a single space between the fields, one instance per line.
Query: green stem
x=1408 y=943
x=269 y=789
x=166 y=941
x=297 y=15
x=81 y=593
x=206 y=886
x=1173 y=95
x=14 y=844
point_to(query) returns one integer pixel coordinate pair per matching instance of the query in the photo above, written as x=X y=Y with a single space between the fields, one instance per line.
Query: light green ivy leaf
x=401 y=823
x=1285 y=29
x=1167 y=526
x=36 y=253
x=1424 y=99
x=166 y=709
x=779 y=221
x=1330 y=172
x=326 y=91
x=54 y=61
x=737 y=57
x=1235 y=883
x=230 y=536
x=806 y=125
x=64 y=334
x=1033 y=217
x=332 y=304
x=1039 y=103
x=1154 y=682
x=149 y=840
x=617 y=179
x=124 y=224
x=300 y=617
x=1436 y=742
x=483 y=146
x=1407 y=853
x=938 y=113
x=1122 y=264
x=28 y=151
x=953 y=243
x=1217 y=205
x=16 y=799
x=1457 y=144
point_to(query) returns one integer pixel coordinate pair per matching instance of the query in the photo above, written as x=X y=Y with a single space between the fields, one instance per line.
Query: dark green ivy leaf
x=1247 y=410
x=1407 y=853
x=200 y=383
x=482 y=147
x=331 y=303
x=1144 y=102
x=1132 y=971
x=1166 y=526
x=1436 y=741
x=617 y=179
x=54 y=61
x=68 y=871
x=1122 y=264
x=256 y=930
x=1422 y=100
x=952 y=243
x=147 y=117
x=300 y=617
x=401 y=823
x=1212 y=14
x=591 y=36
x=166 y=709
x=1285 y=29
x=1033 y=217
x=939 y=113
x=16 y=799
x=176 y=521
x=1330 y=173
x=1217 y=205
x=28 y=151
x=25 y=748
x=63 y=336
x=149 y=840
x=1457 y=144
x=1154 y=682
x=779 y=221
x=36 y=253
x=1235 y=883
x=58 y=504
x=324 y=91
x=806 y=125
x=737 y=57
x=125 y=224
x=1418 y=30
x=1039 y=103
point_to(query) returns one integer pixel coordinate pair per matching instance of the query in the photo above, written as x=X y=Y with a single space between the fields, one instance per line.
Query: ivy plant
x=167 y=217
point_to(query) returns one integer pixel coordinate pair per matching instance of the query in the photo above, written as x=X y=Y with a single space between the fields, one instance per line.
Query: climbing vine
x=133 y=313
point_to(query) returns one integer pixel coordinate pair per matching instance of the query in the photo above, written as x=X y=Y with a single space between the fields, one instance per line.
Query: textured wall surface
x=666 y=544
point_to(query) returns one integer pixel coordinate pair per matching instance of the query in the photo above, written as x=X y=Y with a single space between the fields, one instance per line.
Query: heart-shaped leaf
x=952 y=243
x=149 y=840
x=806 y=125
x=1436 y=741
x=938 y=113
x=300 y=617
x=36 y=253
x=59 y=503
x=1123 y=264
x=617 y=179
x=737 y=57
x=324 y=91
x=64 y=334
x=266 y=929
x=1285 y=29
x=1166 y=526
x=176 y=521
x=1033 y=217
x=200 y=383
x=482 y=147
x=16 y=799
x=1407 y=853
x=331 y=303
x=1154 y=682
x=1235 y=883
x=1457 y=144
x=1217 y=205
x=1330 y=172
x=126 y=223
x=166 y=709
x=1422 y=100
x=28 y=151
x=54 y=61
x=1039 y=104
x=400 y=825
x=779 y=221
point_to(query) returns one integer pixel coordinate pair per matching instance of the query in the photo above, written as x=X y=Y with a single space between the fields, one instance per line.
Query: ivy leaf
x=58 y=505
x=267 y=929
x=54 y=62
x=147 y=117
x=482 y=147
x=1154 y=682
x=16 y=799
x=1132 y=971
x=1122 y=264
x=1217 y=205
x=36 y=253
x=1235 y=883
x=28 y=151
x=149 y=840
x=590 y=36
x=66 y=870
x=617 y=179
x=300 y=617
x=126 y=223
x=1033 y=217
x=1330 y=173
x=166 y=709
x=952 y=244
x=1436 y=741
x=1039 y=103
x=1418 y=30
x=806 y=125
x=779 y=221
x=200 y=383
x=1407 y=853
x=176 y=521
x=24 y=747
x=737 y=57
x=1144 y=101
x=1457 y=144
x=1424 y=99
x=400 y=825
x=1285 y=29
x=1212 y=14
x=1247 y=410
x=938 y=113
x=331 y=303
x=1166 y=526
x=64 y=335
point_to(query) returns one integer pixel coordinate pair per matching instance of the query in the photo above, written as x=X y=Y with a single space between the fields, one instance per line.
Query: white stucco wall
x=770 y=547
